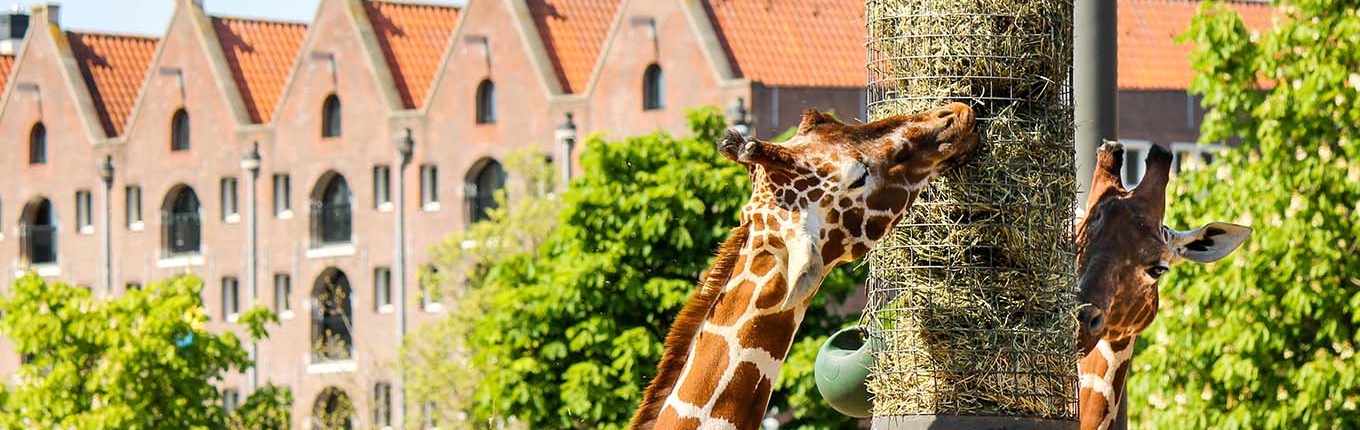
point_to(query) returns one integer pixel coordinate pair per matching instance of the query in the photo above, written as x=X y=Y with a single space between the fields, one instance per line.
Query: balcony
x=38 y=243
x=331 y=224
x=182 y=233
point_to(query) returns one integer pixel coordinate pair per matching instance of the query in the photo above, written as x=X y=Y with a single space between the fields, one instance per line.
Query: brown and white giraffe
x=818 y=200
x=1122 y=249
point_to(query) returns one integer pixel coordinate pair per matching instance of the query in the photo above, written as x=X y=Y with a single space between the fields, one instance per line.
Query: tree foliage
x=1267 y=338
x=569 y=333
x=142 y=360
x=434 y=358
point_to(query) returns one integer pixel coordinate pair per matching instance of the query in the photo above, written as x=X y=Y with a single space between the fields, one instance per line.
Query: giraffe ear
x=1209 y=243
x=805 y=269
x=812 y=118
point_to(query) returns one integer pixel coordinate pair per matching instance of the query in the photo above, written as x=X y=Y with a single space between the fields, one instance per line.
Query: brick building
x=302 y=126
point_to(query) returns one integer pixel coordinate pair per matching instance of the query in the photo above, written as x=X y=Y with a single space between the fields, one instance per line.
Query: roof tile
x=413 y=38
x=113 y=67
x=793 y=42
x=1149 y=58
x=260 y=55
x=573 y=32
x=6 y=66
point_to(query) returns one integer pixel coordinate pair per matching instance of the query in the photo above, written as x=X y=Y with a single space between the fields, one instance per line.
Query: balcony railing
x=331 y=224
x=182 y=233
x=39 y=243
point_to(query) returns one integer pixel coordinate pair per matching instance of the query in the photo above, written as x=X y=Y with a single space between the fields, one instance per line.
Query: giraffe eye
x=863 y=178
x=1157 y=271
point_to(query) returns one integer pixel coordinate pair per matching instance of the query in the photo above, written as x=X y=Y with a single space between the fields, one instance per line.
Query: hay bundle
x=972 y=297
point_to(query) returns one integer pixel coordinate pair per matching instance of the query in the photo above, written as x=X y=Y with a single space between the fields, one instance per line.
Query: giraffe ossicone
x=1123 y=248
x=820 y=199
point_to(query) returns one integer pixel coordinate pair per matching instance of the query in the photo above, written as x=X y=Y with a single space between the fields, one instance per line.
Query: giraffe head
x=833 y=189
x=1124 y=248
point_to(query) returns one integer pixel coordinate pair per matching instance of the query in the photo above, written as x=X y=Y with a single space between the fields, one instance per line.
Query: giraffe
x=818 y=200
x=1123 y=249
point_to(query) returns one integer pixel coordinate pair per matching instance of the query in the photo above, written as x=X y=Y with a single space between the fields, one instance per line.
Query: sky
x=149 y=17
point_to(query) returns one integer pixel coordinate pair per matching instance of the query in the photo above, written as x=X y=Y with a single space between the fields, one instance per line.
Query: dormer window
x=330 y=117
x=653 y=96
x=486 y=102
x=179 y=131
x=37 y=144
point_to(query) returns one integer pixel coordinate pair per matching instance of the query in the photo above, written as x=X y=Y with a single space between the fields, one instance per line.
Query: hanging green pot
x=841 y=370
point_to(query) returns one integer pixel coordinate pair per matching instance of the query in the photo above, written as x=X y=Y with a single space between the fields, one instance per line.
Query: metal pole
x=405 y=143
x=1095 y=73
x=251 y=164
x=1095 y=84
x=106 y=174
x=108 y=239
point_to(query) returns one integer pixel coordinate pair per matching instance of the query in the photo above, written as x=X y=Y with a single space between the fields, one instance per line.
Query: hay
x=972 y=297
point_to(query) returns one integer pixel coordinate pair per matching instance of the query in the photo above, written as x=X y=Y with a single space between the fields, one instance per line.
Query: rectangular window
x=382 y=288
x=382 y=404
x=282 y=200
x=429 y=186
x=133 y=202
x=429 y=289
x=84 y=215
x=231 y=297
x=230 y=211
x=231 y=398
x=382 y=186
x=283 y=289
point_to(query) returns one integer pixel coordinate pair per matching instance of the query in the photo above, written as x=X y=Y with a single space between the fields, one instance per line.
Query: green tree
x=142 y=360
x=1267 y=338
x=572 y=330
x=434 y=357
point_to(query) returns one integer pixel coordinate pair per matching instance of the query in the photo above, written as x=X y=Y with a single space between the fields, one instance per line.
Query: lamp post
x=566 y=137
x=251 y=164
x=106 y=174
x=738 y=115
x=405 y=143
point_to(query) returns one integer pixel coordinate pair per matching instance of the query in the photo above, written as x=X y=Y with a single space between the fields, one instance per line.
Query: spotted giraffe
x=1123 y=249
x=818 y=200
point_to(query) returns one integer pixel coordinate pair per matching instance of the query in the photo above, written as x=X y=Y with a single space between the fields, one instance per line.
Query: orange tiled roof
x=573 y=32
x=1149 y=58
x=413 y=38
x=260 y=55
x=6 y=65
x=793 y=42
x=113 y=67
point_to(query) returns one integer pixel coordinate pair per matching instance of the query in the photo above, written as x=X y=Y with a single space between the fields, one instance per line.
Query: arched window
x=653 y=93
x=330 y=117
x=38 y=233
x=483 y=181
x=332 y=410
x=331 y=317
x=486 y=102
x=179 y=131
x=181 y=222
x=331 y=210
x=37 y=144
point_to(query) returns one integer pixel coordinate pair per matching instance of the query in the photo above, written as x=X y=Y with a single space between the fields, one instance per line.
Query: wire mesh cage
x=972 y=300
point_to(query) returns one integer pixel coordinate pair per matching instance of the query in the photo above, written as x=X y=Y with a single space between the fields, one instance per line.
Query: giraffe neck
x=1103 y=375
x=732 y=359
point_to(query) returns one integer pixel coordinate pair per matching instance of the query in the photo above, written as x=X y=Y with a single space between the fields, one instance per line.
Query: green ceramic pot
x=841 y=371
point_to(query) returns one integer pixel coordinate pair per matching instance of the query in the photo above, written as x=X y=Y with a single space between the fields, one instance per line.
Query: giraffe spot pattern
x=735 y=406
x=771 y=332
x=698 y=391
x=670 y=419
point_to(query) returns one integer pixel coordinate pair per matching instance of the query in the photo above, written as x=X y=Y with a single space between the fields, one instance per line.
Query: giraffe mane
x=686 y=326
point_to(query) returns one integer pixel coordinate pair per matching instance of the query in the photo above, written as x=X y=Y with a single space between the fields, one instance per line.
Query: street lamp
x=250 y=162
x=106 y=174
x=405 y=143
x=566 y=137
x=740 y=122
